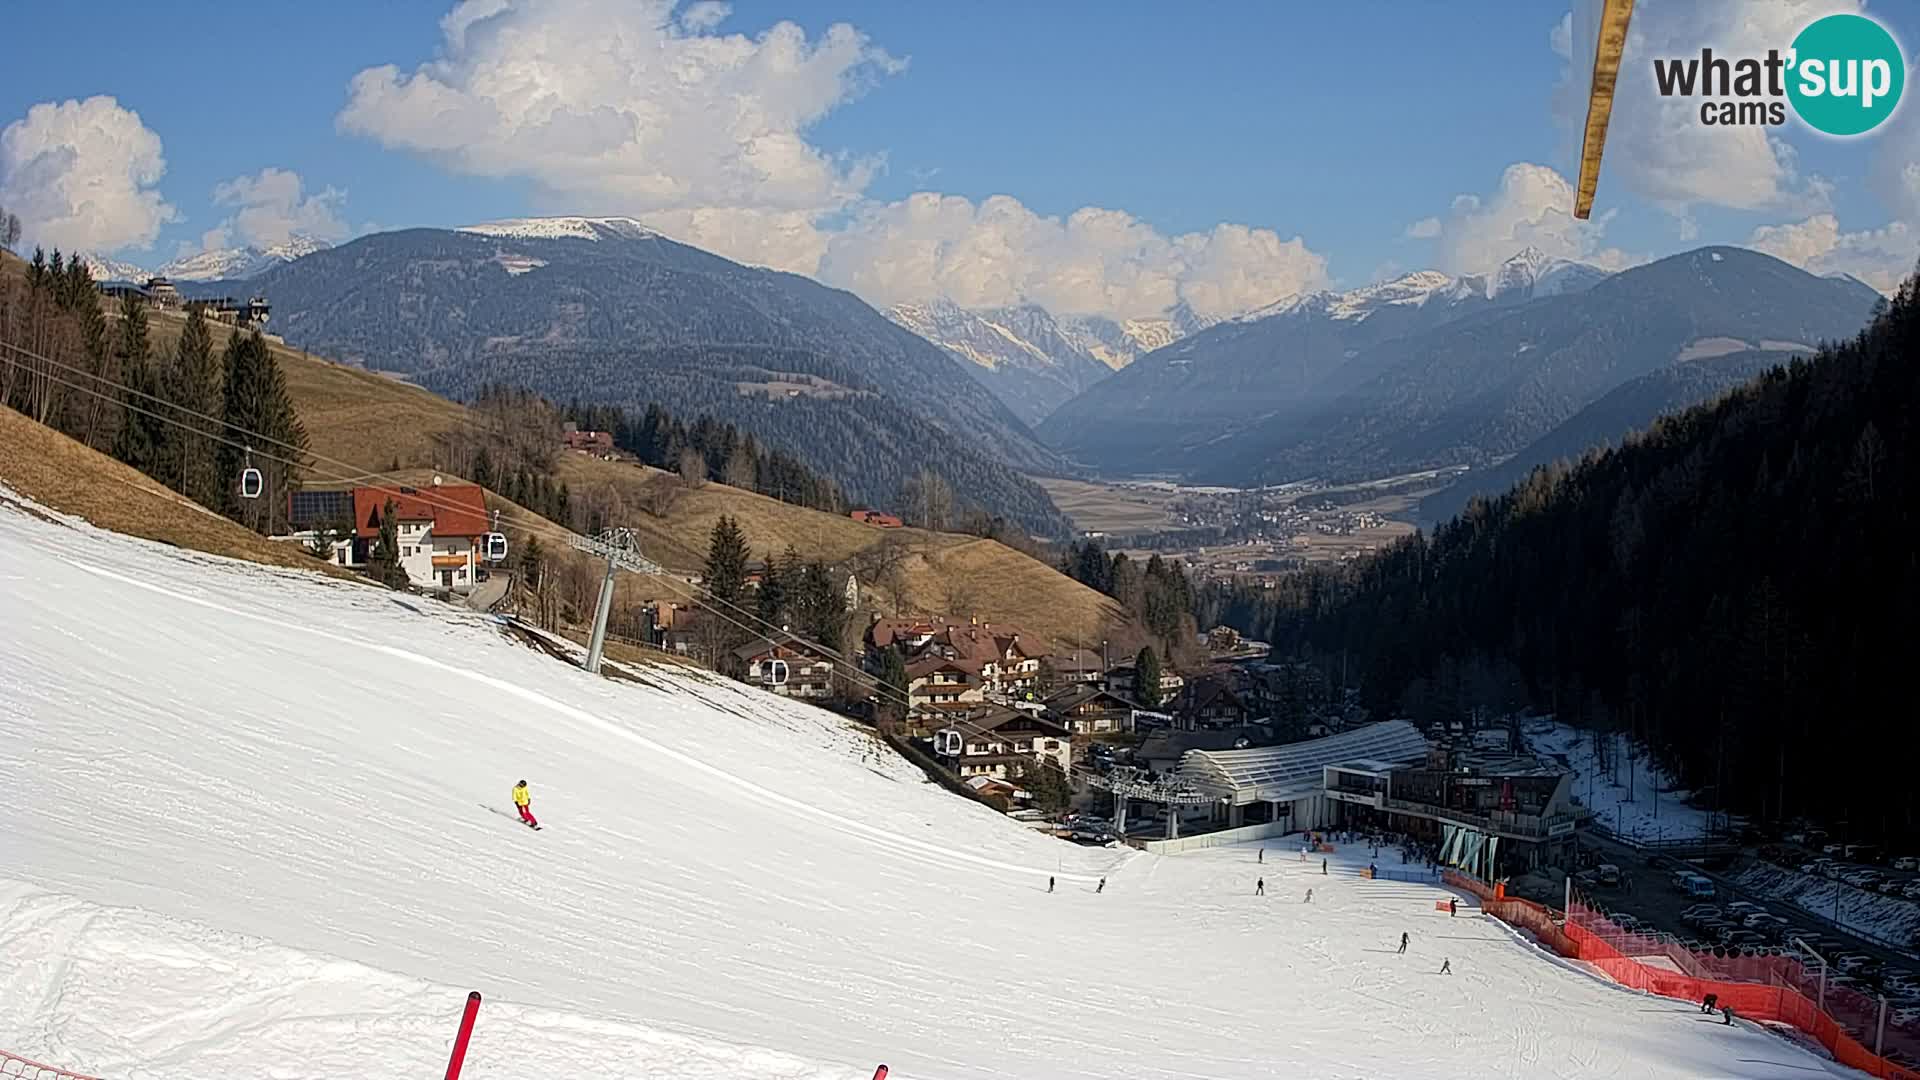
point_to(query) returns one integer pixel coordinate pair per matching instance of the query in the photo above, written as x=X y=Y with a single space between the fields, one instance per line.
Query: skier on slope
x=1260 y=887
x=1323 y=866
x=1309 y=896
x=523 y=801
x=1100 y=888
x=1403 y=942
x=1446 y=966
x=1453 y=907
x=1049 y=884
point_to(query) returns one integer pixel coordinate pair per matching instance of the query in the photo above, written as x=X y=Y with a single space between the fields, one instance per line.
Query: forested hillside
x=621 y=316
x=1737 y=586
x=1632 y=406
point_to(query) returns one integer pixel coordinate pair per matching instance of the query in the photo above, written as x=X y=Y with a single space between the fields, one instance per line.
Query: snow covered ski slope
x=247 y=833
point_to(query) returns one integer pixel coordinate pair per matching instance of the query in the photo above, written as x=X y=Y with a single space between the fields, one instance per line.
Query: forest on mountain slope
x=629 y=320
x=1735 y=587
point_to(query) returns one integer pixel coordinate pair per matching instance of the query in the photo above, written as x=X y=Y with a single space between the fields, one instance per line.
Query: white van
x=1697 y=886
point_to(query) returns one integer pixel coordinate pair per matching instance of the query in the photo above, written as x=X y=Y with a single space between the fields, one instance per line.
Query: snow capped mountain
x=113 y=270
x=1528 y=274
x=1028 y=358
x=563 y=228
x=1034 y=360
x=230 y=264
x=1532 y=272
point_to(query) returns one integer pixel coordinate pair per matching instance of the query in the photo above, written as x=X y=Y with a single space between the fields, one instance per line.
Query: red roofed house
x=441 y=531
x=876 y=519
x=596 y=443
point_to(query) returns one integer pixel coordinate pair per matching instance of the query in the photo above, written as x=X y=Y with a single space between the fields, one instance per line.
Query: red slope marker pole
x=466 y=1032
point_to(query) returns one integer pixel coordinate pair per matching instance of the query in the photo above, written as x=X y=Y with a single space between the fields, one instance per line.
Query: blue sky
x=1241 y=150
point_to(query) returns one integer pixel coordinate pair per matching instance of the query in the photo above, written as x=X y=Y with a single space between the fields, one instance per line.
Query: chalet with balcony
x=999 y=742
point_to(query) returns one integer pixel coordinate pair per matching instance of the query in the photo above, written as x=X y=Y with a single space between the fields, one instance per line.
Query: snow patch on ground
x=1889 y=919
x=257 y=826
x=1622 y=799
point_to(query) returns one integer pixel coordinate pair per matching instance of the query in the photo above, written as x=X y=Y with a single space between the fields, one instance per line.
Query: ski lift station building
x=1487 y=810
x=1287 y=784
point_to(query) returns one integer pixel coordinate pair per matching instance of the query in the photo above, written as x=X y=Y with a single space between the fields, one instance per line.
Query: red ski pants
x=526 y=815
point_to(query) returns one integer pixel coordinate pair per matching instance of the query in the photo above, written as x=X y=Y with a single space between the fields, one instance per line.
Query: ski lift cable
x=538 y=526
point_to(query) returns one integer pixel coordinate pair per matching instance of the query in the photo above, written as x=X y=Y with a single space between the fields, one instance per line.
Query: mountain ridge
x=606 y=311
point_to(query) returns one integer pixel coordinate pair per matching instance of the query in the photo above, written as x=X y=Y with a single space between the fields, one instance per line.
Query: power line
x=536 y=526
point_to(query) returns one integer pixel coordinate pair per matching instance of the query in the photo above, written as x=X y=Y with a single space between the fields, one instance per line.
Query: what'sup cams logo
x=1843 y=76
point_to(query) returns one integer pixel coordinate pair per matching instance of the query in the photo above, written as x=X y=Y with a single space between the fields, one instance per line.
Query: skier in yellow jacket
x=522 y=800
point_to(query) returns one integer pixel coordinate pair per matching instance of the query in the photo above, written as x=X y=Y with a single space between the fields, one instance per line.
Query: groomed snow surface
x=256 y=826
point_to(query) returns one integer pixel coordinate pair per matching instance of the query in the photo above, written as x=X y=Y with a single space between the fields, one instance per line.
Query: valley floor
x=257 y=826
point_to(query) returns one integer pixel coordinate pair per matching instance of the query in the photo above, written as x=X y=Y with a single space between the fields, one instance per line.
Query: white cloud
x=1094 y=261
x=1880 y=257
x=272 y=205
x=1657 y=147
x=611 y=106
x=1532 y=207
x=638 y=108
x=81 y=176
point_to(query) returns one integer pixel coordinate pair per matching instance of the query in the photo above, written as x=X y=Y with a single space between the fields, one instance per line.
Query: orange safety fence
x=1774 y=988
x=13 y=1065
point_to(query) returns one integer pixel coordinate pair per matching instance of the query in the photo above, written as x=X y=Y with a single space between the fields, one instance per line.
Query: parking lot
x=1648 y=897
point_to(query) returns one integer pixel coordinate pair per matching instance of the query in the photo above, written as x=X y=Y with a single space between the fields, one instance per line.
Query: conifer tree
x=726 y=562
x=193 y=383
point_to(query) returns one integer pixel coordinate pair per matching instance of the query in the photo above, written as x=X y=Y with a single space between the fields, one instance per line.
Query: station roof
x=1276 y=773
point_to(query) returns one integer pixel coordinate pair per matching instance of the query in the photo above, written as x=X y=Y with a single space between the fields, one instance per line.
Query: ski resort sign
x=1842 y=75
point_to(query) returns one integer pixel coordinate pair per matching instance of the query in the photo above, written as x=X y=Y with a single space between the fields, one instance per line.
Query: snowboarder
x=1453 y=907
x=1049 y=884
x=1303 y=854
x=524 y=802
x=1323 y=867
x=1446 y=966
x=1100 y=888
x=1726 y=1014
x=1707 y=1003
x=1309 y=896
x=1263 y=856
x=1403 y=942
x=1260 y=887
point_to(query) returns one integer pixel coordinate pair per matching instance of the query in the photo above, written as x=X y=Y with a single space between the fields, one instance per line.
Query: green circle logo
x=1847 y=75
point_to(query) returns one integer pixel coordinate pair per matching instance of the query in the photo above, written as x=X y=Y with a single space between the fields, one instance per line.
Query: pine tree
x=194 y=384
x=771 y=603
x=144 y=441
x=1146 y=677
x=893 y=686
x=256 y=406
x=821 y=608
x=726 y=562
x=383 y=562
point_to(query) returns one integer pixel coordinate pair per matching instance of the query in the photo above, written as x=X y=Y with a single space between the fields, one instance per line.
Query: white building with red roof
x=441 y=531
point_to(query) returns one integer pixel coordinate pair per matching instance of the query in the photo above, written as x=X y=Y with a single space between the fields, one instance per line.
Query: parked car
x=1907 y=862
x=1832 y=849
x=1864 y=853
x=1853 y=963
x=1797 y=836
x=1772 y=927
x=1861 y=878
x=1698 y=886
x=1743 y=939
x=1698 y=913
x=1744 y=908
x=1626 y=922
x=1609 y=874
x=1911 y=890
x=1890 y=887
